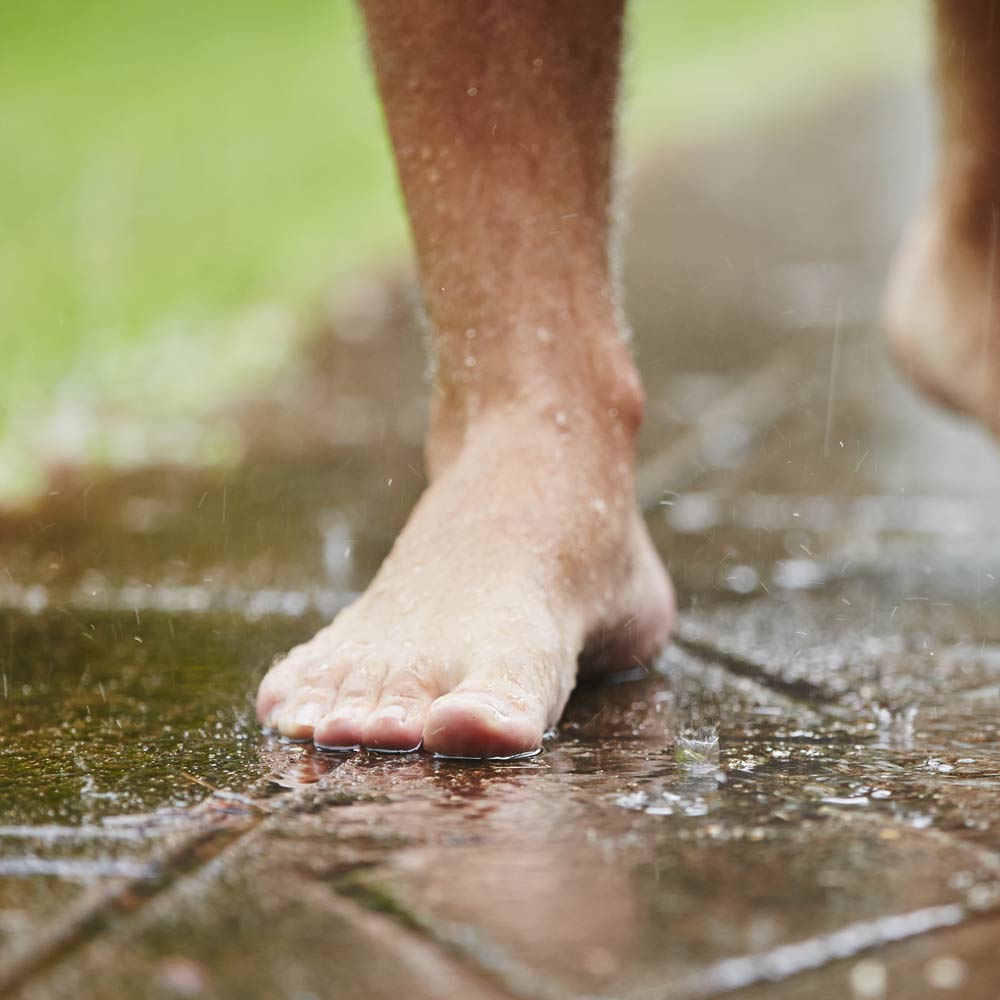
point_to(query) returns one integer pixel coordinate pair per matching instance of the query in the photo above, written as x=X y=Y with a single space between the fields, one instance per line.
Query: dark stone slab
x=254 y=927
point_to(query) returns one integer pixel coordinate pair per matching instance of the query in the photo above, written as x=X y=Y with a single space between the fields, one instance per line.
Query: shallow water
x=117 y=713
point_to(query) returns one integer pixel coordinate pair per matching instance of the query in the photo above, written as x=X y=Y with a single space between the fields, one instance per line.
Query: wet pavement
x=803 y=800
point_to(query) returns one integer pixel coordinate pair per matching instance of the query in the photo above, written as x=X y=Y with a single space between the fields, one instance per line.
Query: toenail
x=502 y=711
x=341 y=715
x=343 y=725
x=481 y=706
x=309 y=713
x=391 y=713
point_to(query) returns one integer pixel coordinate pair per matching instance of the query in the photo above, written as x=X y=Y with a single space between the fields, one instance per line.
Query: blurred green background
x=182 y=185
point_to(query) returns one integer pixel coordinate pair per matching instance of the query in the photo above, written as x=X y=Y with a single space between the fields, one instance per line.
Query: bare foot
x=942 y=304
x=525 y=555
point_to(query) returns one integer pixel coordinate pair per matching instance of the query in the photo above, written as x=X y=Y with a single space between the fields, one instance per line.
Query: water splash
x=698 y=747
x=895 y=725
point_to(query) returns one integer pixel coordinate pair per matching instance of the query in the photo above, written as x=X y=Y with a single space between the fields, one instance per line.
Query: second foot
x=942 y=305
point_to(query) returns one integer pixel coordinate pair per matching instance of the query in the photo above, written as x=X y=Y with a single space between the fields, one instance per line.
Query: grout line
x=464 y=943
x=787 y=961
x=798 y=690
x=757 y=401
x=448 y=960
x=124 y=899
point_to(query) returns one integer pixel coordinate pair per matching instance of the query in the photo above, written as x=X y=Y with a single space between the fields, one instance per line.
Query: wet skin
x=942 y=307
x=542 y=590
x=525 y=560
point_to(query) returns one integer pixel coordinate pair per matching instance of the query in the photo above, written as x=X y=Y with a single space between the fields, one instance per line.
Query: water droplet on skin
x=598 y=505
x=470 y=361
x=470 y=334
x=472 y=91
x=545 y=336
x=561 y=419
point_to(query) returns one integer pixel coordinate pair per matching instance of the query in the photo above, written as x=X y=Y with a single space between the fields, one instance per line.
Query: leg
x=526 y=553
x=942 y=302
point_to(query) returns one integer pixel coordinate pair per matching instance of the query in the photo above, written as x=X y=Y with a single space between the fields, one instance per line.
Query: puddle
x=111 y=714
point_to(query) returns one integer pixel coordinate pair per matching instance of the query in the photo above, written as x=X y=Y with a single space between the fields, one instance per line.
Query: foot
x=942 y=305
x=524 y=559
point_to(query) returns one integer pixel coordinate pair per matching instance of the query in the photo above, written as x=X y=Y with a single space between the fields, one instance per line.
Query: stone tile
x=608 y=867
x=252 y=929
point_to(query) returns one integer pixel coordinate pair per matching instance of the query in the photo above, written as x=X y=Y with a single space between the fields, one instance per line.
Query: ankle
x=600 y=414
x=541 y=374
x=582 y=359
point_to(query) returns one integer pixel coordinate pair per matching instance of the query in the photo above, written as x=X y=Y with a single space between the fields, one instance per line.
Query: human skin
x=526 y=560
x=943 y=297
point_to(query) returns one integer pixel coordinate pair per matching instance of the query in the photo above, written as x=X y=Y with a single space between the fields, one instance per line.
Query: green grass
x=180 y=182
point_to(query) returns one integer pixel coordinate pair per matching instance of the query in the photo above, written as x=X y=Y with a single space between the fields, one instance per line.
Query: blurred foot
x=942 y=305
x=525 y=555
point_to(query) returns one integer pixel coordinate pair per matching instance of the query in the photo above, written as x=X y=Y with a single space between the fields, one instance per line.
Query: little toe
x=469 y=723
x=277 y=686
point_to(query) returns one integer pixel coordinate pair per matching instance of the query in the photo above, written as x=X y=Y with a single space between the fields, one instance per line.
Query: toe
x=275 y=689
x=501 y=710
x=343 y=725
x=298 y=716
x=468 y=723
x=395 y=726
x=397 y=723
x=306 y=665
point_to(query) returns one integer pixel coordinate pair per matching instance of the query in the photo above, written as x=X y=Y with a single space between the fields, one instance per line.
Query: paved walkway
x=803 y=801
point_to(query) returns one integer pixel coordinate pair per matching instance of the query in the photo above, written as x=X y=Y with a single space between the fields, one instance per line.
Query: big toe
x=480 y=724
